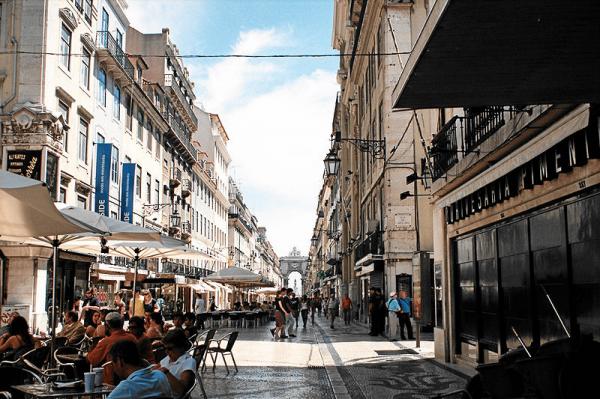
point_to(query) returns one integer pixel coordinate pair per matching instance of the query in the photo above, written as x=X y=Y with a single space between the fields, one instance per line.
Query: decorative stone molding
x=64 y=96
x=81 y=110
x=68 y=17
x=65 y=179
x=31 y=124
x=82 y=188
x=88 y=41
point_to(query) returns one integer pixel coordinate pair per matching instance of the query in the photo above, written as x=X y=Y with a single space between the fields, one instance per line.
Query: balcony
x=369 y=250
x=186 y=188
x=113 y=57
x=175 y=180
x=463 y=134
x=176 y=93
x=183 y=142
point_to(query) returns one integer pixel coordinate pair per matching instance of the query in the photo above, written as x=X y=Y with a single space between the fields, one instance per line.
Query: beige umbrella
x=239 y=278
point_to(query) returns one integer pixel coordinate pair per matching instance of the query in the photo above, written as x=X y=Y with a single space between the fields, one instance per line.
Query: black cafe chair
x=214 y=351
x=17 y=375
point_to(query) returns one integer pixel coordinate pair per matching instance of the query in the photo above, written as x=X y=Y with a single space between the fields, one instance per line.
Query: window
x=149 y=134
x=114 y=165
x=64 y=111
x=140 y=128
x=83 y=140
x=79 y=4
x=102 y=87
x=100 y=138
x=157 y=138
x=87 y=10
x=138 y=181
x=119 y=39
x=148 y=188
x=139 y=74
x=127 y=159
x=117 y=102
x=104 y=25
x=129 y=109
x=65 y=47
x=113 y=215
x=82 y=202
x=62 y=195
x=85 y=68
x=156 y=192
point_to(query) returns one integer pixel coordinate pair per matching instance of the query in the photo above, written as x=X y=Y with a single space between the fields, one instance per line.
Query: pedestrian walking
x=304 y=310
x=404 y=317
x=280 y=314
x=313 y=309
x=199 y=308
x=394 y=311
x=333 y=308
x=295 y=305
x=377 y=311
x=347 y=309
x=326 y=307
x=289 y=318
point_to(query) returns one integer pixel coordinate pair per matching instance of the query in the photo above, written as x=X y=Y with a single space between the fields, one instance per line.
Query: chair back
x=59 y=342
x=38 y=357
x=231 y=341
x=210 y=334
x=14 y=375
x=188 y=393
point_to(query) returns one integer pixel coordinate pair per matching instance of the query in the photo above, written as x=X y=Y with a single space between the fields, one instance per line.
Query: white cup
x=99 y=374
x=89 y=379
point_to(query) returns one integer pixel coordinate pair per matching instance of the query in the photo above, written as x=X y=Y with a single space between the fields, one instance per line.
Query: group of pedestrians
x=290 y=309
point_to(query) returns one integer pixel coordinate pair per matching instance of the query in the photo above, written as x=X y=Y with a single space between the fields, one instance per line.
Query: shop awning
x=476 y=53
x=201 y=287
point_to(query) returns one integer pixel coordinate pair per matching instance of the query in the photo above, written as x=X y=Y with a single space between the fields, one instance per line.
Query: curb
x=338 y=387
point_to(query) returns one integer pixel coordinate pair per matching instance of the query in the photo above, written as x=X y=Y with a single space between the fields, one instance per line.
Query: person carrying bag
x=394 y=311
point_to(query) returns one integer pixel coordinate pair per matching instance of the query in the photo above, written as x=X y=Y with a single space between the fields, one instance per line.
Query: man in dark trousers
x=404 y=317
x=374 y=313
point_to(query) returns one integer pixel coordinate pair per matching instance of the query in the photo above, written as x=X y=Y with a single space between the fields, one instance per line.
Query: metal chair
x=235 y=320
x=61 y=364
x=15 y=375
x=202 y=342
x=188 y=393
x=214 y=351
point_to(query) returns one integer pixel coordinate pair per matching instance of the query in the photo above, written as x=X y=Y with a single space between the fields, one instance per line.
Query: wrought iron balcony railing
x=105 y=40
x=463 y=134
x=180 y=134
x=172 y=82
x=372 y=245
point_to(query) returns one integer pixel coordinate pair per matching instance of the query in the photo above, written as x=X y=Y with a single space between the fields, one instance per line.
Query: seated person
x=72 y=330
x=144 y=344
x=189 y=328
x=155 y=327
x=178 y=320
x=138 y=380
x=17 y=341
x=101 y=328
x=90 y=330
x=179 y=366
x=237 y=306
x=99 y=354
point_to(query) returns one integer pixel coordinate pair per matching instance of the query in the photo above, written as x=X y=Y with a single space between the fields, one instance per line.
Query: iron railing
x=171 y=81
x=105 y=40
x=463 y=134
x=180 y=134
x=372 y=245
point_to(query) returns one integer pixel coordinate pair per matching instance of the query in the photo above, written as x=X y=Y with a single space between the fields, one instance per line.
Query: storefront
x=527 y=227
x=73 y=278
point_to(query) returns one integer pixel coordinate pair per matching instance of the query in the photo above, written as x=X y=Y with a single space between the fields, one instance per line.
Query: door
x=104 y=27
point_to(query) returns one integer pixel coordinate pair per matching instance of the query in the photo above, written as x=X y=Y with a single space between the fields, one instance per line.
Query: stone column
x=26 y=278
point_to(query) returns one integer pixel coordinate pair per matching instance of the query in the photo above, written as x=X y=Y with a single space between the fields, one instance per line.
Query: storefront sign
x=103 y=178
x=9 y=310
x=25 y=163
x=127 y=187
x=572 y=152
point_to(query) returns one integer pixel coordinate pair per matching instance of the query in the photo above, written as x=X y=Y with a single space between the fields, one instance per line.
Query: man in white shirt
x=179 y=366
x=138 y=380
x=200 y=307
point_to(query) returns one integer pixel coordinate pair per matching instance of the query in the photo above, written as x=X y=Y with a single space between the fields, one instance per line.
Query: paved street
x=341 y=363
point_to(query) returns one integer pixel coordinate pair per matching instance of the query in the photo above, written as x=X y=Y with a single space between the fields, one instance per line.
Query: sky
x=277 y=112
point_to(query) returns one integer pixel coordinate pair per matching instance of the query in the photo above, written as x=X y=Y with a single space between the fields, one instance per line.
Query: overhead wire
x=188 y=56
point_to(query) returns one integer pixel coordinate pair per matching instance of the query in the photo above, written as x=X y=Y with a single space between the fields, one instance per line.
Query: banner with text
x=127 y=187
x=102 y=178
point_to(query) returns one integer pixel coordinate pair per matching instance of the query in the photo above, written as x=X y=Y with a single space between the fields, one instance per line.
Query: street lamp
x=332 y=163
x=175 y=219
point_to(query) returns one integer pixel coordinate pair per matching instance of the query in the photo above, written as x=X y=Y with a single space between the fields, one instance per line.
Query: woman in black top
x=150 y=303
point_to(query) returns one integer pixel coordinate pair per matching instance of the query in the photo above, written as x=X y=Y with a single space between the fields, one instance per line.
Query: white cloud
x=150 y=16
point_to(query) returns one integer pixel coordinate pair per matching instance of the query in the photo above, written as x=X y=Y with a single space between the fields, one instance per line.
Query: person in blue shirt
x=393 y=307
x=404 y=317
x=138 y=379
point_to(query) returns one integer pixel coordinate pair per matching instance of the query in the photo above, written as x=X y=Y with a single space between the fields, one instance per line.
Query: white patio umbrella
x=165 y=247
x=27 y=214
x=239 y=278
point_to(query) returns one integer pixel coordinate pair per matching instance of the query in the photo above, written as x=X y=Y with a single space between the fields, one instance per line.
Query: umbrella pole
x=55 y=244
x=136 y=262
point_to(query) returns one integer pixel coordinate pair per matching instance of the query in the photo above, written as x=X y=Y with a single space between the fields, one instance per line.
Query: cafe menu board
x=25 y=163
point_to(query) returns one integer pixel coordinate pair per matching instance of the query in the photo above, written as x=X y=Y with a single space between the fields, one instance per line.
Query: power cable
x=25 y=52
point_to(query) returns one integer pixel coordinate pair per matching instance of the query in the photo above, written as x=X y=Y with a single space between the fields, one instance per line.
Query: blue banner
x=102 y=178
x=127 y=187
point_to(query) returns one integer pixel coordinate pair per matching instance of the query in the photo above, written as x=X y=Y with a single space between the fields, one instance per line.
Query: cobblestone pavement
x=323 y=363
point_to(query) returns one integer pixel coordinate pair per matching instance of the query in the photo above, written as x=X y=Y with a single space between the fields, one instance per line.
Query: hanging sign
x=127 y=187
x=102 y=178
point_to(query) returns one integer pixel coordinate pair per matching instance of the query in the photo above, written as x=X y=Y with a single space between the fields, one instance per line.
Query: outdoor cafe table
x=48 y=391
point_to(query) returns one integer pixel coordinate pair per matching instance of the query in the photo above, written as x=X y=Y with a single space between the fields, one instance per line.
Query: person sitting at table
x=144 y=344
x=72 y=330
x=150 y=304
x=17 y=341
x=213 y=306
x=90 y=330
x=101 y=328
x=179 y=366
x=90 y=304
x=138 y=380
x=178 y=320
x=119 y=304
x=237 y=307
x=155 y=328
x=190 y=329
x=99 y=354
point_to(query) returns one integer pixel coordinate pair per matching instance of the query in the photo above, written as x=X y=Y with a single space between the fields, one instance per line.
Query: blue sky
x=277 y=112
